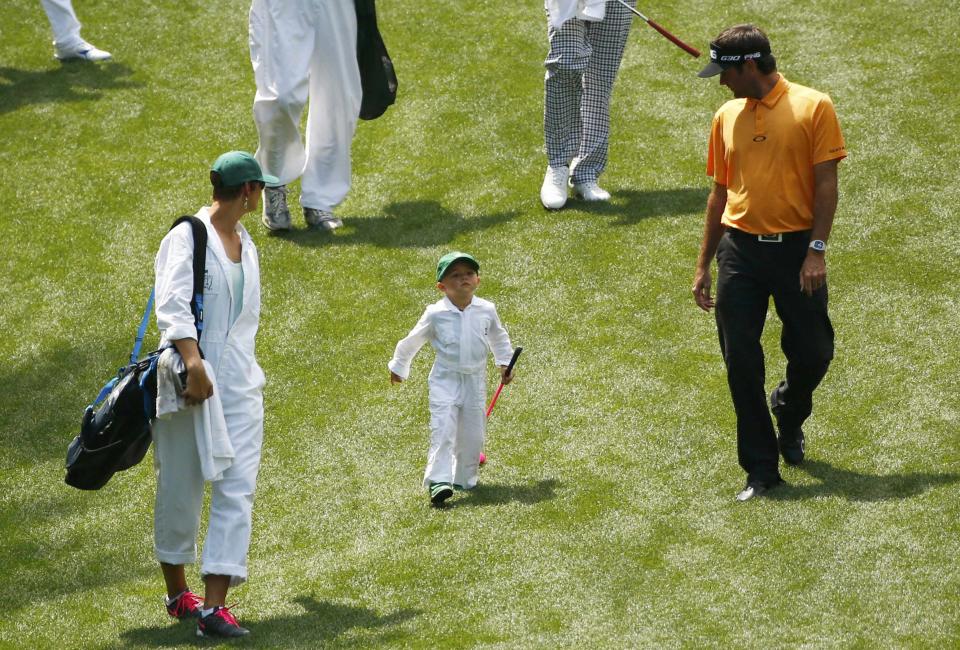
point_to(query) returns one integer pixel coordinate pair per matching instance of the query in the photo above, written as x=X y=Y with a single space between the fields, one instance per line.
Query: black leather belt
x=775 y=238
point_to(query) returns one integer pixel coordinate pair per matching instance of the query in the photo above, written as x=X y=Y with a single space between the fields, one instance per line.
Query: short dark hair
x=748 y=38
x=223 y=192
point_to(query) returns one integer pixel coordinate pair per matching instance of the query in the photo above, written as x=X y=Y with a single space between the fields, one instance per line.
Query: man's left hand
x=813 y=273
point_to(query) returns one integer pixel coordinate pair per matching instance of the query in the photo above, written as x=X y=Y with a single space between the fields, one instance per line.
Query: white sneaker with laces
x=590 y=191
x=81 y=50
x=276 y=214
x=553 y=192
x=317 y=218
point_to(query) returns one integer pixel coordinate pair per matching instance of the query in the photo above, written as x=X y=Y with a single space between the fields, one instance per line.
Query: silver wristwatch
x=819 y=245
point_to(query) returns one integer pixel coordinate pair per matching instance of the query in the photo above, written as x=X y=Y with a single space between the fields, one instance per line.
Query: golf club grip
x=673 y=39
x=513 y=359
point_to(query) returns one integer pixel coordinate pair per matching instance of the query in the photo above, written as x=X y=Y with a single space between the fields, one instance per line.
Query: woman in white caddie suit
x=231 y=314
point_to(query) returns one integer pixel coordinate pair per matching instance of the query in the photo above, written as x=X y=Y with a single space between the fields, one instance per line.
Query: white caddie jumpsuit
x=304 y=49
x=458 y=383
x=230 y=351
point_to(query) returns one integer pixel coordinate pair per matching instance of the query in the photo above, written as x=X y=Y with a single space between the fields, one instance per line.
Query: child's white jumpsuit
x=457 y=383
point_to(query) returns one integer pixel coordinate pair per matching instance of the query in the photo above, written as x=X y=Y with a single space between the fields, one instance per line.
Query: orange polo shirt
x=764 y=152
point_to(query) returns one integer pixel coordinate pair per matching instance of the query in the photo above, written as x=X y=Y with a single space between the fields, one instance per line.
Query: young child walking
x=461 y=328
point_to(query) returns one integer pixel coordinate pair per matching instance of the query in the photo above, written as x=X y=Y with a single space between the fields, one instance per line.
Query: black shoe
x=756 y=488
x=790 y=439
x=220 y=622
x=792 y=446
x=440 y=492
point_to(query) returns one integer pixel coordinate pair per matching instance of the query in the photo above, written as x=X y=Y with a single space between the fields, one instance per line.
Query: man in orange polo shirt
x=773 y=156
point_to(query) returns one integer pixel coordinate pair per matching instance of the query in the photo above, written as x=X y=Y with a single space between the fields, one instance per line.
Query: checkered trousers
x=581 y=67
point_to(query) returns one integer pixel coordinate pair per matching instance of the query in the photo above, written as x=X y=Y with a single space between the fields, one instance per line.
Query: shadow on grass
x=632 y=206
x=490 y=494
x=42 y=560
x=51 y=546
x=318 y=626
x=44 y=400
x=404 y=224
x=68 y=82
x=855 y=486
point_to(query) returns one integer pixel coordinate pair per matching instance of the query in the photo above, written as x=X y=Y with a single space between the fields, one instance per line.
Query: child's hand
x=504 y=377
x=395 y=378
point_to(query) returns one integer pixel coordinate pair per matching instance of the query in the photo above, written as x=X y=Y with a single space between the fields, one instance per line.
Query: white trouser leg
x=457 y=427
x=335 y=95
x=472 y=426
x=443 y=433
x=63 y=21
x=176 y=514
x=231 y=500
x=281 y=48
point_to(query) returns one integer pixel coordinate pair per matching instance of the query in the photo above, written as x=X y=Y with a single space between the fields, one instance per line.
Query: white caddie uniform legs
x=300 y=50
x=473 y=428
x=180 y=492
x=281 y=46
x=335 y=95
x=457 y=427
x=63 y=22
x=231 y=499
x=176 y=514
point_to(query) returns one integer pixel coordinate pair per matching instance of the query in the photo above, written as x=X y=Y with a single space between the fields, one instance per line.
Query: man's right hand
x=701 y=289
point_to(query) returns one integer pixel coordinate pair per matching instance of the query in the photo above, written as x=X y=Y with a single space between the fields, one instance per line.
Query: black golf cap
x=721 y=59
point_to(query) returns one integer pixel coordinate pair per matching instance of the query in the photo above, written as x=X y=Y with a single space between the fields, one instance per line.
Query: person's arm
x=499 y=342
x=198 y=386
x=408 y=347
x=174 y=289
x=712 y=232
x=813 y=273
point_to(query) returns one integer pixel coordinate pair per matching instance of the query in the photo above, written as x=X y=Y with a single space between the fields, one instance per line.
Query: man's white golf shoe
x=553 y=192
x=81 y=50
x=590 y=191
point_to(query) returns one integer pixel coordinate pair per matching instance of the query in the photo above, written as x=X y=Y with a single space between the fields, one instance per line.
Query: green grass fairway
x=605 y=517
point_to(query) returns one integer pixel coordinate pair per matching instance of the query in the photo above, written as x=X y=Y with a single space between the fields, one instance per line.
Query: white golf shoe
x=590 y=191
x=81 y=50
x=553 y=192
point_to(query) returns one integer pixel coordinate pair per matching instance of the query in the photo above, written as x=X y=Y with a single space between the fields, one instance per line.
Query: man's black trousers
x=749 y=272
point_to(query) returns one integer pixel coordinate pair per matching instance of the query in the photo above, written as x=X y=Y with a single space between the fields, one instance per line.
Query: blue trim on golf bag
x=142 y=331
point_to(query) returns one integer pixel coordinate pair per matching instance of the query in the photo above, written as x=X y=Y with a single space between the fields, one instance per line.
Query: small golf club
x=513 y=360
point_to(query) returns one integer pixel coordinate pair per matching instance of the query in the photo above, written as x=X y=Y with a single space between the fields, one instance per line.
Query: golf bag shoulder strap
x=199 y=266
x=196 y=301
